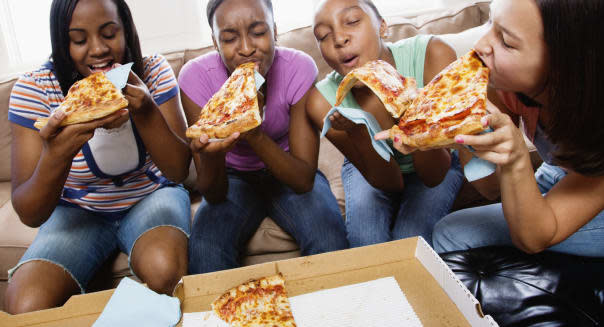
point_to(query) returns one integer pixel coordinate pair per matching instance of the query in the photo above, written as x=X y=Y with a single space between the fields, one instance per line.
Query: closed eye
x=321 y=38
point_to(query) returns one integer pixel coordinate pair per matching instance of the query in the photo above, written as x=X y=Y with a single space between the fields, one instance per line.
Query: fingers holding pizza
x=204 y=145
x=397 y=142
x=504 y=146
x=137 y=94
x=66 y=141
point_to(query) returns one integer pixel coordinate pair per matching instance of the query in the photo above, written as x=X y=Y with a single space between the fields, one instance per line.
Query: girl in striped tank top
x=98 y=187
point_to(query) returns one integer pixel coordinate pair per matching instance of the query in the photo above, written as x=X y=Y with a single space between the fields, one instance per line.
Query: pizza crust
x=395 y=91
x=249 y=120
x=438 y=138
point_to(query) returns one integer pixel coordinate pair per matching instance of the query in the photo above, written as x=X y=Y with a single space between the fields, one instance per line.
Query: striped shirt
x=38 y=94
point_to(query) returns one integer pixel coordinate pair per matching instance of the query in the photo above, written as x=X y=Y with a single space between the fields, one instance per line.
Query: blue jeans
x=483 y=226
x=80 y=241
x=222 y=230
x=374 y=216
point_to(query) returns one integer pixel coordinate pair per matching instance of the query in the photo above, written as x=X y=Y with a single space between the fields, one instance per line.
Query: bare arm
x=298 y=167
x=535 y=222
x=209 y=158
x=162 y=129
x=355 y=143
x=40 y=164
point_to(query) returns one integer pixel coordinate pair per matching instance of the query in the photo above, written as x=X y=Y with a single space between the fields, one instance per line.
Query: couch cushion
x=13 y=232
x=450 y=20
x=453 y=19
x=5 y=135
x=5 y=190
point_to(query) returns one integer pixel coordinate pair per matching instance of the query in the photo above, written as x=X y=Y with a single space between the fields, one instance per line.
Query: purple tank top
x=292 y=74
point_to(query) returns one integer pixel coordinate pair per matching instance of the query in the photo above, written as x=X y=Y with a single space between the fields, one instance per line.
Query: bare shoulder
x=438 y=56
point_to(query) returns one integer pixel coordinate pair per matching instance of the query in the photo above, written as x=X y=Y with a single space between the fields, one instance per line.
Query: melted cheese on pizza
x=452 y=103
x=258 y=303
x=235 y=100
x=90 y=98
x=395 y=91
x=459 y=89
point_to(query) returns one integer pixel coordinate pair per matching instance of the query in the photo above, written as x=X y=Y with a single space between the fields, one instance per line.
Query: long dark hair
x=214 y=4
x=573 y=31
x=61 y=12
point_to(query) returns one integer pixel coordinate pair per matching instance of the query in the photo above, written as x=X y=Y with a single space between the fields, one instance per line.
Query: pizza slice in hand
x=88 y=99
x=453 y=103
x=395 y=91
x=234 y=108
x=257 y=303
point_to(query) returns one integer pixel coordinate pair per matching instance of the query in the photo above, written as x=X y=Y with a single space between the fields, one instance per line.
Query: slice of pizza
x=257 y=303
x=234 y=108
x=88 y=99
x=395 y=91
x=452 y=103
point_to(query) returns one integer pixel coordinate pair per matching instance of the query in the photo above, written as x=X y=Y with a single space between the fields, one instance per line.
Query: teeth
x=100 y=65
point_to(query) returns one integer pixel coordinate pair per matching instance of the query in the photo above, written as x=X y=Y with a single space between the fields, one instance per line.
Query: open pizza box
x=436 y=295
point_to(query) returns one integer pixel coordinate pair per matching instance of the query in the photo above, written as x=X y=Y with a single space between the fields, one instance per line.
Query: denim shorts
x=80 y=241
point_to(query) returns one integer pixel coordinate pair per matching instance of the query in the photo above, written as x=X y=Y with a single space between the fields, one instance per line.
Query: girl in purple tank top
x=270 y=170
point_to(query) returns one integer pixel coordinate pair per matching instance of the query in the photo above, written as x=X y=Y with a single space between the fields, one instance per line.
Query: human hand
x=503 y=146
x=396 y=142
x=138 y=95
x=203 y=145
x=65 y=142
x=341 y=123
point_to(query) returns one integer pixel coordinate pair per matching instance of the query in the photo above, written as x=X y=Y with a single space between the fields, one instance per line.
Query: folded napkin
x=119 y=75
x=359 y=116
x=478 y=168
x=132 y=304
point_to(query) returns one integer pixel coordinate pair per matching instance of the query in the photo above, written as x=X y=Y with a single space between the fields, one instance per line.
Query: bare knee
x=161 y=264
x=30 y=290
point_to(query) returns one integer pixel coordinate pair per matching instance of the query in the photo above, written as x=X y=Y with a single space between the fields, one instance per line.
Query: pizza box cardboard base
x=436 y=295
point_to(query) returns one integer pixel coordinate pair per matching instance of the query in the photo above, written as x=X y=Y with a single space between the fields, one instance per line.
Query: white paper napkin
x=376 y=303
x=119 y=75
x=478 y=168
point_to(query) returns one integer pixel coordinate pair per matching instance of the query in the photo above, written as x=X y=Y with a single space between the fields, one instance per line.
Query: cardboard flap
x=83 y=308
x=346 y=260
x=455 y=289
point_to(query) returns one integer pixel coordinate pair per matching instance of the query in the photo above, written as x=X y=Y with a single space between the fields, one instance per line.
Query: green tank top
x=409 y=55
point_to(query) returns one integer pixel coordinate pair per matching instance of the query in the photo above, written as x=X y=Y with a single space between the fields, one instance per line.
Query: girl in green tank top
x=406 y=195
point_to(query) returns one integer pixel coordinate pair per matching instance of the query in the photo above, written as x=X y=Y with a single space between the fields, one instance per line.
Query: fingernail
x=459 y=139
x=397 y=139
x=485 y=121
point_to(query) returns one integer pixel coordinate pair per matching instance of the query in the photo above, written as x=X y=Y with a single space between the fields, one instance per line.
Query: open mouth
x=101 y=67
x=350 y=61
